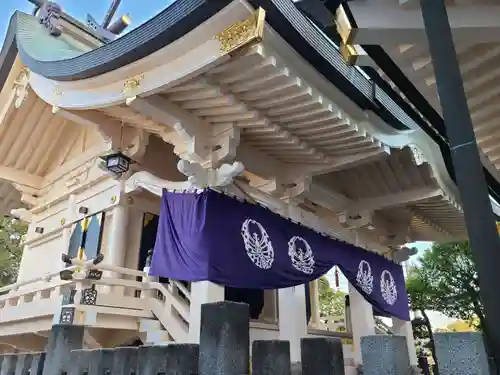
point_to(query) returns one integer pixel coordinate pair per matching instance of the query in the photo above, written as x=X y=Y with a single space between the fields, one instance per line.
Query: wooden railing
x=108 y=290
x=103 y=289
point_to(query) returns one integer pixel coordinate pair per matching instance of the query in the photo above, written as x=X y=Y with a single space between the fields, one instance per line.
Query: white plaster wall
x=41 y=259
x=259 y=333
x=43 y=252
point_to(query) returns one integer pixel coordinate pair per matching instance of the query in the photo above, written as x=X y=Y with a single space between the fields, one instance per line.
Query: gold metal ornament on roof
x=242 y=33
x=131 y=88
x=21 y=86
x=348 y=49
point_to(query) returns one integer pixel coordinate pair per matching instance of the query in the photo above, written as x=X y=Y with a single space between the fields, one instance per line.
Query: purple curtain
x=211 y=236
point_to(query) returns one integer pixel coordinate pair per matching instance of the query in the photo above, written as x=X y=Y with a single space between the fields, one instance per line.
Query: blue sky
x=140 y=11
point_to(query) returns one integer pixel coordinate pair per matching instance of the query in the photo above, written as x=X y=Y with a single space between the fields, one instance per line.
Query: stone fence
x=224 y=350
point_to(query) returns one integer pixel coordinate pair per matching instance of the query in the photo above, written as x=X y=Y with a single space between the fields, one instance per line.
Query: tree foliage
x=447 y=281
x=11 y=234
x=331 y=303
x=460 y=326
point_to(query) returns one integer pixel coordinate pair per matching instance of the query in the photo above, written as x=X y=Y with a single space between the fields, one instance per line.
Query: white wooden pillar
x=292 y=318
x=315 y=305
x=362 y=321
x=404 y=328
x=117 y=243
x=201 y=292
x=118 y=235
x=270 y=310
x=69 y=218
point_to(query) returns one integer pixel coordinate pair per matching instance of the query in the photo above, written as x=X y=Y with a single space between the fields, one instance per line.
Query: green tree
x=421 y=296
x=12 y=232
x=331 y=303
x=446 y=281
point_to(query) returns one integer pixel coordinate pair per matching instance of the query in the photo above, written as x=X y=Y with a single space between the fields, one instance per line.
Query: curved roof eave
x=165 y=28
x=8 y=53
x=309 y=41
x=436 y=130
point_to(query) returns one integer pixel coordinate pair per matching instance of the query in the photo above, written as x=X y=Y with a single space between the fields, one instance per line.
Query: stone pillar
x=224 y=339
x=292 y=318
x=175 y=359
x=8 y=365
x=201 y=292
x=461 y=353
x=321 y=355
x=63 y=339
x=124 y=360
x=362 y=321
x=23 y=365
x=37 y=364
x=271 y=357
x=404 y=328
x=383 y=354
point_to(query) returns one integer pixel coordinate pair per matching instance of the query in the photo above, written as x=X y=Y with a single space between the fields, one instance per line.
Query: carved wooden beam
x=198 y=178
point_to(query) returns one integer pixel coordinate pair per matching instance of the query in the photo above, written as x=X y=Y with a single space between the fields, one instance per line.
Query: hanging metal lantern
x=117 y=162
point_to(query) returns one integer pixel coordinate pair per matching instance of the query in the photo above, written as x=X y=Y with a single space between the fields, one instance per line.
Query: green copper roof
x=36 y=41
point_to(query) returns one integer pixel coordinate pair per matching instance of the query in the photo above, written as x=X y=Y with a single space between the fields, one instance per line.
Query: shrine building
x=225 y=150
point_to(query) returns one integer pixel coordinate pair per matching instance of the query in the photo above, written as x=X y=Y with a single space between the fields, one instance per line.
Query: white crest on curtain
x=302 y=256
x=257 y=244
x=364 y=277
x=388 y=288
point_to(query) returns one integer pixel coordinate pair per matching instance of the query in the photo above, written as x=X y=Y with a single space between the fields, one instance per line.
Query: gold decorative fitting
x=62 y=221
x=131 y=88
x=349 y=53
x=242 y=33
x=23 y=74
x=344 y=27
x=21 y=85
x=417 y=154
